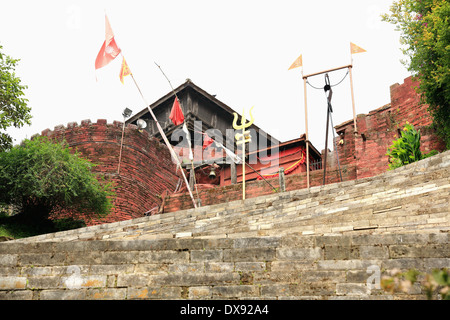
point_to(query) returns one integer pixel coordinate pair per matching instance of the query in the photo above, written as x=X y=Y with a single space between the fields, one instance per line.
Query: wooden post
x=191 y=178
x=353 y=100
x=306 y=136
x=169 y=146
x=233 y=173
x=281 y=180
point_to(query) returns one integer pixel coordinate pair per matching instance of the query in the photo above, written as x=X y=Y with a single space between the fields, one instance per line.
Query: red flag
x=176 y=115
x=109 y=50
x=207 y=141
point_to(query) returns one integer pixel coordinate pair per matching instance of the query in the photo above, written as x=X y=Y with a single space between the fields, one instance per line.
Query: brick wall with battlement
x=377 y=129
x=146 y=169
x=360 y=156
x=148 y=174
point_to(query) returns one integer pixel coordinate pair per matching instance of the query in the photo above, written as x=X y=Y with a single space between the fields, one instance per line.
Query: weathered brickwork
x=360 y=156
x=256 y=188
x=377 y=129
x=146 y=168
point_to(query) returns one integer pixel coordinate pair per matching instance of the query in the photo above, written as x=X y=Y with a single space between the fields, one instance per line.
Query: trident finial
x=242 y=139
x=243 y=124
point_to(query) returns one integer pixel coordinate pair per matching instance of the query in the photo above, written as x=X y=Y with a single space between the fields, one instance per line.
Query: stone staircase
x=411 y=199
x=331 y=242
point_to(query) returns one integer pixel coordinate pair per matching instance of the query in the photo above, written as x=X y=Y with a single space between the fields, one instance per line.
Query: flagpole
x=306 y=134
x=353 y=49
x=350 y=67
x=299 y=63
x=353 y=99
x=165 y=140
x=243 y=157
x=191 y=158
x=101 y=61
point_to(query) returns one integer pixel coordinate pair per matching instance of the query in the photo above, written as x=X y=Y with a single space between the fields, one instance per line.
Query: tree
x=13 y=106
x=425 y=35
x=41 y=177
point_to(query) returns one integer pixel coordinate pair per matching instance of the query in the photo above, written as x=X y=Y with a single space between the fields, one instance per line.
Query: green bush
x=406 y=149
x=436 y=283
x=40 y=177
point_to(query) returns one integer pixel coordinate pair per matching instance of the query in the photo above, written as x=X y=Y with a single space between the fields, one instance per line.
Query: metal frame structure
x=305 y=78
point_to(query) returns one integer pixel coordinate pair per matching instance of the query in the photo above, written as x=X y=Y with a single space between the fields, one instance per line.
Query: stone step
x=412 y=197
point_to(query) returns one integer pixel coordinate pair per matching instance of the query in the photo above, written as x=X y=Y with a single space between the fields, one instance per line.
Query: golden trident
x=243 y=138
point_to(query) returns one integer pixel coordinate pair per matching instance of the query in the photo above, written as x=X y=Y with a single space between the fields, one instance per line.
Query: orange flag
x=355 y=49
x=124 y=70
x=109 y=50
x=297 y=63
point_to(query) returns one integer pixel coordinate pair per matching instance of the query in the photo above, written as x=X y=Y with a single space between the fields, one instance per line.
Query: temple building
x=205 y=116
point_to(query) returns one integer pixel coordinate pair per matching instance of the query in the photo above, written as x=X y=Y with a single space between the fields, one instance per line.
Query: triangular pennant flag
x=109 y=50
x=176 y=115
x=207 y=141
x=355 y=49
x=124 y=70
x=188 y=138
x=235 y=158
x=297 y=63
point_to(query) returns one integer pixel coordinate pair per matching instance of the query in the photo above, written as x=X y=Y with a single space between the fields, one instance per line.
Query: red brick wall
x=362 y=155
x=377 y=129
x=146 y=169
x=181 y=201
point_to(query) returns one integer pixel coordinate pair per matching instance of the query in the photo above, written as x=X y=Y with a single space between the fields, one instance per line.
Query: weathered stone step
x=404 y=198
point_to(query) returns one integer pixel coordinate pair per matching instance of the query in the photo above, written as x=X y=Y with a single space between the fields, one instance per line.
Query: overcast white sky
x=237 y=50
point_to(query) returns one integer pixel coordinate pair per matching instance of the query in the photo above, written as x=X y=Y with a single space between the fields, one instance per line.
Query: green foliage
x=425 y=36
x=436 y=282
x=13 y=107
x=40 y=177
x=406 y=149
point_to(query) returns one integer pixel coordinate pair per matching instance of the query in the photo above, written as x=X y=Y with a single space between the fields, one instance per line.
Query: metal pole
x=261 y=177
x=327 y=88
x=243 y=158
x=121 y=144
x=326 y=145
x=189 y=142
x=174 y=156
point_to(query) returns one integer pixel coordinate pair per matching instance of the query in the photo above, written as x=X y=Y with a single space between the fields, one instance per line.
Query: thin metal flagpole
x=187 y=133
x=121 y=146
x=174 y=156
x=165 y=140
